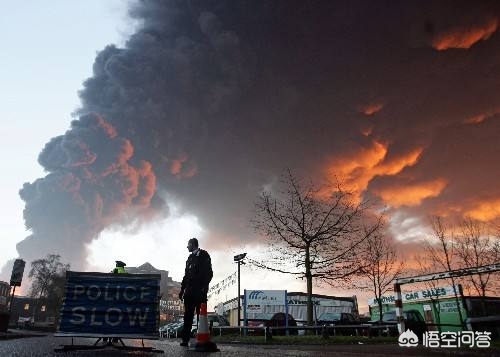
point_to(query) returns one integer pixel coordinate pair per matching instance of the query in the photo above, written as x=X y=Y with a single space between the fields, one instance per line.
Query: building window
x=26 y=306
x=43 y=308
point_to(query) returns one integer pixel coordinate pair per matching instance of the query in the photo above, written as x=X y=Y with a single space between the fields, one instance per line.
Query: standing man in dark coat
x=194 y=286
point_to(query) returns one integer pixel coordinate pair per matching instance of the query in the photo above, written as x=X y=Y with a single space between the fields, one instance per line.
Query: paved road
x=44 y=346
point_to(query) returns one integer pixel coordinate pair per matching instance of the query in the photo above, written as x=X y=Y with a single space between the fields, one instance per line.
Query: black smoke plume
x=211 y=100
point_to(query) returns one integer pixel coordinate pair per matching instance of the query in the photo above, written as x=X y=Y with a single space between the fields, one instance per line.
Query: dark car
x=272 y=320
x=339 y=318
x=388 y=326
x=217 y=320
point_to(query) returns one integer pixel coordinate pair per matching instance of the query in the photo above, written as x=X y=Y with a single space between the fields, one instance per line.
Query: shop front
x=438 y=306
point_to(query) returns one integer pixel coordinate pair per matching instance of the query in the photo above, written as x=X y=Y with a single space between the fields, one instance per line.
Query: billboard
x=265 y=297
x=115 y=305
x=257 y=300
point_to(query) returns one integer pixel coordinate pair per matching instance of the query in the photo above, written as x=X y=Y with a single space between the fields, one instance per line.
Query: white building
x=297 y=307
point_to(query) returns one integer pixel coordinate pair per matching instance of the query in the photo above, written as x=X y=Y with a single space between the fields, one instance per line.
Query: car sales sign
x=118 y=305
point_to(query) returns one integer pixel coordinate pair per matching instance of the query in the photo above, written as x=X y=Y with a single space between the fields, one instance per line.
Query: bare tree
x=496 y=251
x=441 y=253
x=46 y=279
x=311 y=236
x=382 y=266
x=475 y=247
x=425 y=268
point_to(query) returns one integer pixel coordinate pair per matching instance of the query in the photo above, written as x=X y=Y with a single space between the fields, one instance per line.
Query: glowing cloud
x=486 y=210
x=397 y=164
x=479 y=118
x=465 y=37
x=476 y=119
x=371 y=108
x=411 y=195
x=357 y=169
x=182 y=167
x=152 y=243
x=367 y=131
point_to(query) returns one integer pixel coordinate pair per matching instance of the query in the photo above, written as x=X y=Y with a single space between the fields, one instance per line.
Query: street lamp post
x=239 y=260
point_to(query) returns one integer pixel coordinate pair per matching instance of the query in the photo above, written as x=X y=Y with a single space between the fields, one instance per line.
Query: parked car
x=272 y=320
x=213 y=320
x=217 y=320
x=388 y=325
x=25 y=322
x=339 y=318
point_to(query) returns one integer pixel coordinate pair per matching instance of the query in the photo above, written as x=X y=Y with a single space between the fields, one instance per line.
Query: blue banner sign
x=115 y=305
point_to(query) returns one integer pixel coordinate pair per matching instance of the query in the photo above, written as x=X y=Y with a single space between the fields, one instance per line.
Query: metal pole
x=286 y=313
x=245 y=313
x=11 y=299
x=399 y=308
x=239 y=303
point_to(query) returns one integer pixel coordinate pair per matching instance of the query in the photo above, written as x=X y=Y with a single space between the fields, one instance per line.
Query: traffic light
x=17 y=272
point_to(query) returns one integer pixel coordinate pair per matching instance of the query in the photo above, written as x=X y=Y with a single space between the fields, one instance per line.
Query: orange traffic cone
x=203 y=343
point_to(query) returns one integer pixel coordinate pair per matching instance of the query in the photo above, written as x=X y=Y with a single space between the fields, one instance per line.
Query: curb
x=9 y=335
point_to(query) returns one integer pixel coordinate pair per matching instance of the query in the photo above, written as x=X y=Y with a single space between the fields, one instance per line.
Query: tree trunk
x=309 y=289
x=310 y=316
x=380 y=312
x=378 y=296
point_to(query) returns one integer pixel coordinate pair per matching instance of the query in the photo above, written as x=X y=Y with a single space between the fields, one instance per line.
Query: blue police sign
x=115 y=305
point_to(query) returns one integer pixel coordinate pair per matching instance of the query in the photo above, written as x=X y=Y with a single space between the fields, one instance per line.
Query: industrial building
x=296 y=303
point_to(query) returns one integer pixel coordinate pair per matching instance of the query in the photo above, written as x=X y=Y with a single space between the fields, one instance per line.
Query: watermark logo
x=408 y=339
x=447 y=339
x=450 y=339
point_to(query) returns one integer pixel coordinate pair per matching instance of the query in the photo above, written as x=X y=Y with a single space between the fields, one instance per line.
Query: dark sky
x=210 y=101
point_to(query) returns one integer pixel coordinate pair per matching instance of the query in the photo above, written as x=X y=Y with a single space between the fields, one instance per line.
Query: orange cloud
x=397 y=164
x=371 y=108
x=447 y=209
x=479 y=118
x=411 y=195
x=475 y=119
x=357 y=169
x=176 y=167
x=485 y=211
x=367 y=131
x=465 y=38
x=182 y=167
x=147 y=184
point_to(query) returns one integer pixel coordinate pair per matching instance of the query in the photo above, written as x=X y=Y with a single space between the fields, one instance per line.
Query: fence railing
x=368 y=330
x=269 y=331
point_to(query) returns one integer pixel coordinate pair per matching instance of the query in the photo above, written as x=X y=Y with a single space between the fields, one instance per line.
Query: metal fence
x=268 y=332
x=367 y=330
